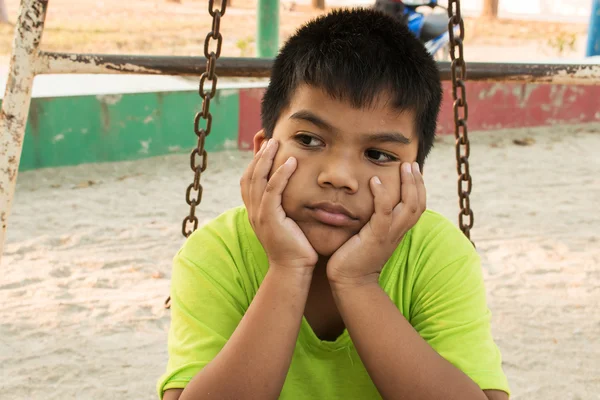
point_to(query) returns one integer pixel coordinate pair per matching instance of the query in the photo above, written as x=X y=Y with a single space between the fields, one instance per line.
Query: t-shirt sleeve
x=449 y=309
x=208 y=300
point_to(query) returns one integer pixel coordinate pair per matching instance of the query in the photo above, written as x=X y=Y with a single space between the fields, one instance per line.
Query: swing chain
x=198 y=157
x=458 y=72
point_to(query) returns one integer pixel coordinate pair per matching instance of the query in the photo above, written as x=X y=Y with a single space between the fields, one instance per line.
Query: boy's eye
x=308 y=141
x=379 y=156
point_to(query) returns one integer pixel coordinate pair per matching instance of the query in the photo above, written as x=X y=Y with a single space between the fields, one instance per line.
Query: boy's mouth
x=332 y=214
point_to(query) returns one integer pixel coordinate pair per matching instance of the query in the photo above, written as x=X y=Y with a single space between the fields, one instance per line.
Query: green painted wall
x=84 y=129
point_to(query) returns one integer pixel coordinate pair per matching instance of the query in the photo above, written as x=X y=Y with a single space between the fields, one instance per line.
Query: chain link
x=458 y=73
x=198 y=156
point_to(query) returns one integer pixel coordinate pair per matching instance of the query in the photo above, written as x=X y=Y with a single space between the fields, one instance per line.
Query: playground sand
x=87 y=263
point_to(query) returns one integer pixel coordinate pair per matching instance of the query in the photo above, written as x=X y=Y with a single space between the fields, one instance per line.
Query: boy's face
x=339 y=149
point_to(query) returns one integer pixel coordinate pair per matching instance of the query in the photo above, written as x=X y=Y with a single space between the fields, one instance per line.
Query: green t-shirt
x=434 y=278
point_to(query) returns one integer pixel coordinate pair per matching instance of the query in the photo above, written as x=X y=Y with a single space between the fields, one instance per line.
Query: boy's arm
x=400 y=363
x=448 y=311
x=172 y=394
x=496 y=395
x=254 y=362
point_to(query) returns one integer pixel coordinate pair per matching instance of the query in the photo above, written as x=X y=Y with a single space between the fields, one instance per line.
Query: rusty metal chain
x=207 y=91
x=198 y=157
x=458 y=70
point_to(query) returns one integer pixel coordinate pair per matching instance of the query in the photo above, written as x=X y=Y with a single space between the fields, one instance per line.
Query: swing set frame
x=28 y=60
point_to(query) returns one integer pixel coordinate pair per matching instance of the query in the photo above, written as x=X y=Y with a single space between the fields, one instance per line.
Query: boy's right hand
x=283 y=240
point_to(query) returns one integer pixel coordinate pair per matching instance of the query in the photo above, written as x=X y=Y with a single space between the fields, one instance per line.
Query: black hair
x=356 y=55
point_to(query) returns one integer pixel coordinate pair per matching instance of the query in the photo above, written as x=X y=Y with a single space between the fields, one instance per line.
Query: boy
x=334 y=281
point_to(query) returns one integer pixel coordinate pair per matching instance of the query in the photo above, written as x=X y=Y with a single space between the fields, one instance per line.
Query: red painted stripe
x=249 y=116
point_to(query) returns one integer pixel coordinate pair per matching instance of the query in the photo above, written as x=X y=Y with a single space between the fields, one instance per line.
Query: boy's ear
x=258 y=140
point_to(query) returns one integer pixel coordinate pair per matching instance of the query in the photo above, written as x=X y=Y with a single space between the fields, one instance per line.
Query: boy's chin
x=325 y=246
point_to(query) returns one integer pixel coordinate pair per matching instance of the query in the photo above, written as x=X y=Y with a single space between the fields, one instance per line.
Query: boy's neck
x=320 y=310
x=321 y=266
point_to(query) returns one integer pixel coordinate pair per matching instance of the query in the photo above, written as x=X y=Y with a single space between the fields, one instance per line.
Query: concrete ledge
x=513 y=105
x=70 y=130
x=491 y=106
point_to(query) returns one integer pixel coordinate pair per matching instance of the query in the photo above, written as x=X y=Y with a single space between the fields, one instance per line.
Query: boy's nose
x=338 y=174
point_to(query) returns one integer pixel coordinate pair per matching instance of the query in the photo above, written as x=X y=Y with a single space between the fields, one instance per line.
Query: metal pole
x=17 y=97
x=69 y=63
x=319 y=4
x=267 y=43
x=593 y=45
x=3 y=13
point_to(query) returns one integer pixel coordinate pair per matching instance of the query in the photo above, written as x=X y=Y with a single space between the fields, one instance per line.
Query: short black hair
x=356 y=55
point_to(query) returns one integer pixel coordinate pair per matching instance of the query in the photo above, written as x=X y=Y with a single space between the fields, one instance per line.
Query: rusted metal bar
x=564 y=74
x=65 y=63
x=17 y=97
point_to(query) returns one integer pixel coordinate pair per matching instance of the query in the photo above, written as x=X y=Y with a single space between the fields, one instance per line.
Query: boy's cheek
x=283 y=153
x=392 y=185
x=280 y=159
x=286 y=151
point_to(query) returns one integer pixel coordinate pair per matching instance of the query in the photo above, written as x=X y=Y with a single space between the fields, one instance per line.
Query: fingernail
x=264 y=144
x=289 y=160
x=407 y=168
x=416 y=167
x=270 y=144
x=376 y=180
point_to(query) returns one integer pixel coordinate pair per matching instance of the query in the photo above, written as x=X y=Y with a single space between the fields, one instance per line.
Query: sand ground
x=87 y=264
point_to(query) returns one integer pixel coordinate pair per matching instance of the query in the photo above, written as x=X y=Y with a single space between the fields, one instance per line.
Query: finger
x=271 y=200
x=247 y=175
x=409 y=204
x=381 y=220
x=420 y=184
x=260 y=176
x=245 y=180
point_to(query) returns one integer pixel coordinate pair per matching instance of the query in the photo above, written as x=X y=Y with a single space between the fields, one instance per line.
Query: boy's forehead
x=341 y=114
x=306 y=94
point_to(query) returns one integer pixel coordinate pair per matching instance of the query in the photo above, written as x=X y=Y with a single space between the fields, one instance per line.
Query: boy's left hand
x=362 y=257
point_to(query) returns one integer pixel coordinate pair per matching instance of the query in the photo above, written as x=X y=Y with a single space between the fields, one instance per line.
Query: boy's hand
x=362 y=257
x=285 y=244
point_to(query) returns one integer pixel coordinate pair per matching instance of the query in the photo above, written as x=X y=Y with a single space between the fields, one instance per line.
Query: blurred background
x=510 y=30
x=100 y=197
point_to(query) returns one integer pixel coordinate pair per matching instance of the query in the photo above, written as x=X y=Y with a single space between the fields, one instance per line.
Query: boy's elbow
x=172 y=394
x=495 y=395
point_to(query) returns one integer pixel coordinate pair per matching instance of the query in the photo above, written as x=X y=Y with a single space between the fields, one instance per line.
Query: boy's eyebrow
x=314 y=119
x=386 y=137
x=380 y=137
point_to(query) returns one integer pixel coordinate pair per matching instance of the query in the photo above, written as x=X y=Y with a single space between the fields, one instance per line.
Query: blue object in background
x=431 y=29
x=593 y=45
